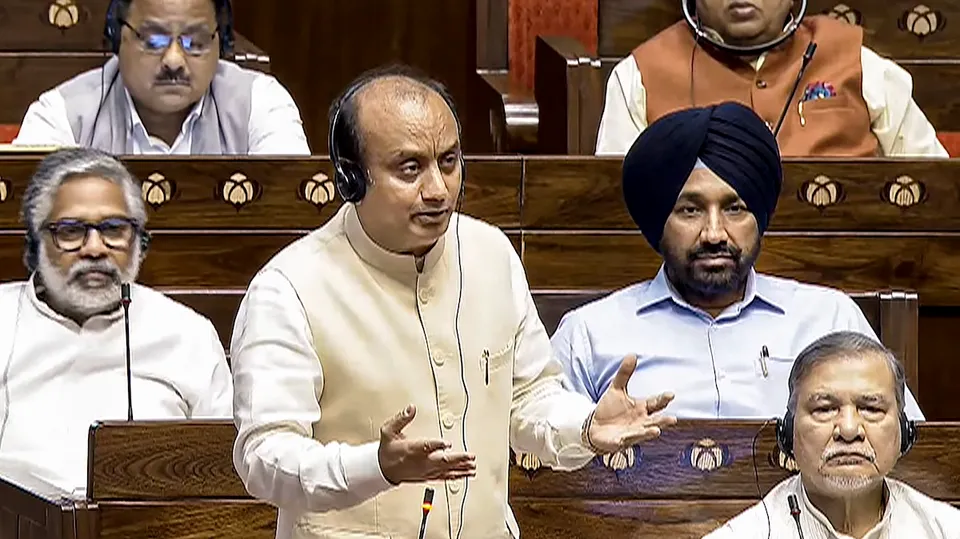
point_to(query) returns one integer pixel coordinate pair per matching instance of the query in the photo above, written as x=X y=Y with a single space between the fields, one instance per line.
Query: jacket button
x=761 y=84
x=448 y=421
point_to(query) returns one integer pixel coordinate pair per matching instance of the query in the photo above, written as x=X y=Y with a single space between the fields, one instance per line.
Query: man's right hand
x=411 y=461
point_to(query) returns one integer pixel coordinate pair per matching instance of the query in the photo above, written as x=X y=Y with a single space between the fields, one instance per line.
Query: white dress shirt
x=275 y=126
x=59 y=378
x=908 y=514
x=898 y=123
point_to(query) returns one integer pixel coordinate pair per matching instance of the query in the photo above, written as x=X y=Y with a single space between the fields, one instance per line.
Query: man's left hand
x=621 y=421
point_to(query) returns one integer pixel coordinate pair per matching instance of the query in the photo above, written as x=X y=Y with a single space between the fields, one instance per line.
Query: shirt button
x=439 y=358
x=425 y=294
x=761 y=84
x=454 y=486
x=448 y=421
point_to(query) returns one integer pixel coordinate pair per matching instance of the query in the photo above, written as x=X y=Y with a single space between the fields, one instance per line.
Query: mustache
x=169 y=77
x=83 y=267
x=864 y=452
x=713 y=250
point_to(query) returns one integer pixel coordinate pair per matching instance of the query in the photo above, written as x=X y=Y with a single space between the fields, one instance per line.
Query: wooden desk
x=175 y=480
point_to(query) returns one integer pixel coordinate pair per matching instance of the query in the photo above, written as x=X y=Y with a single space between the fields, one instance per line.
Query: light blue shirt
x=712 y=365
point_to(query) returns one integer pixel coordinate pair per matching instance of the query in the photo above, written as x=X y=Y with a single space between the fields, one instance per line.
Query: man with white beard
x=846 y=428
x=62 y=349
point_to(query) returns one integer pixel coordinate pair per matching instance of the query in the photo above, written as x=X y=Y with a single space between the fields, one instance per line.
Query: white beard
x=850 y=484
x=67 y=291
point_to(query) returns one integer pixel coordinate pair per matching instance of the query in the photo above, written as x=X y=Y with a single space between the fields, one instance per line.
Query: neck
x=853 y=515
x=165 y=126
x=713 y=304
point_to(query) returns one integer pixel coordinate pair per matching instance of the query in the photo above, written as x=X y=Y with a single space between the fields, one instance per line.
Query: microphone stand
x=125 y=302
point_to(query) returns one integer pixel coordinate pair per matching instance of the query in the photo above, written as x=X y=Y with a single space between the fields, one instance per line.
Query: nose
x=433 y=188
x=93 y=246
x=848 y=427
x=714 y=229
x=174 y=57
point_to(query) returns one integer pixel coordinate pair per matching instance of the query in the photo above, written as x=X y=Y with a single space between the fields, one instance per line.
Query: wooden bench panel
x=213 y=519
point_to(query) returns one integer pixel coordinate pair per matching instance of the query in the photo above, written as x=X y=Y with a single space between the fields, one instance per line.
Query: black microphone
x=427 y=506
x=795 y=512
x=807 y=56
x=125 y=301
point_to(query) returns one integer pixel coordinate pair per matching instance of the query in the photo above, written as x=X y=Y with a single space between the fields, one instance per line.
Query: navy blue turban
x=730 y=139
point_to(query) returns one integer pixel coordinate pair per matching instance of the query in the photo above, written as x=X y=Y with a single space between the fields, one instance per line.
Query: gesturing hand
x=410 y=461
x=621 y=421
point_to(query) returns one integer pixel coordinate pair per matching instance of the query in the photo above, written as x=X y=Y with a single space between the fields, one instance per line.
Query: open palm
x=620 y=420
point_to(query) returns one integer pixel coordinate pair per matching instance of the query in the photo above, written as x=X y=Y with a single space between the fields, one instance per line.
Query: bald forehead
x=395 y=108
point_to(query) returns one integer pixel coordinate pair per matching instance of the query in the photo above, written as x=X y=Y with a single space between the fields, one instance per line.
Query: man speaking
x=398 y=349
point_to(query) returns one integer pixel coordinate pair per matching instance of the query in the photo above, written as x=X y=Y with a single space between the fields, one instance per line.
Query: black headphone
x=689 y=13
x=112 y=27
x=908 y=433
x=31 y=247
x=348 y=173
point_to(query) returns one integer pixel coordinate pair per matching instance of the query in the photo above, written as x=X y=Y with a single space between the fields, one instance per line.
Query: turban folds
x=729 y=138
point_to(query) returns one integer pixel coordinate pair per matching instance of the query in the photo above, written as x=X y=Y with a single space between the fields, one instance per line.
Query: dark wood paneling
x=623 y=24
x=492 y=38
x=939 y=327
x=163 y=460
x=25 y=26
x=869 y=262
x=586 y=194
x=315 y=58
x=933 y=83
x=279 y=193
x=27 y=75
x=188 y=520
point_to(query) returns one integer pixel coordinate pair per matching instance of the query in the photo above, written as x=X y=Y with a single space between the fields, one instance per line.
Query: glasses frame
x=178 y=39
x=136 y=228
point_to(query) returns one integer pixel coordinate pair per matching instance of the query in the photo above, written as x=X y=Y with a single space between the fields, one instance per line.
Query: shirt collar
x=35 y=289
x=396 y=264
x=823 y=520
x=136 y=124
x=758 y=287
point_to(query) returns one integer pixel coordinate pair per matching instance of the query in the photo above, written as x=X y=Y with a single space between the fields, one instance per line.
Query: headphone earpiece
x=112 y=27
x=908 y=434
x=31 y=252
x=145 y=239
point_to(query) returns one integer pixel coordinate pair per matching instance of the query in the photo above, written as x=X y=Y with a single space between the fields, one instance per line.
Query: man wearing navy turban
x=702 y=185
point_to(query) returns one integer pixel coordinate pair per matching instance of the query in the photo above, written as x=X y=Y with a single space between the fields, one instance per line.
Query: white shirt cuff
x=572 y=453
x=361 y=470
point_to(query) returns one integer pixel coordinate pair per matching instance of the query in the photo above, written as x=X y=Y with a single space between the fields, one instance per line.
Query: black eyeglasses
x=194 y=44
x=70 y=235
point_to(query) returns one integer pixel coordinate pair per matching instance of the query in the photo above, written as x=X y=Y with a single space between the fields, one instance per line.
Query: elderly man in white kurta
x=400 y=302
x=846 y=428
x=64 y=363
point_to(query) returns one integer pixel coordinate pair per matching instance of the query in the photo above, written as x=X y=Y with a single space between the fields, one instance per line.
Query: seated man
x=846 y=428
x=398 y=349
x=63 y=347
x=702 y=185
x=850 y=101
x=166 y=91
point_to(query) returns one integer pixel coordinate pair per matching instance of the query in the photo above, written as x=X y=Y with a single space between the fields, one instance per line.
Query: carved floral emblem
x=922 y=21
x=5 y=189
x=706 y=455
x=621 y=460
x=904 y=192
x=528 y=463
x=63 y=14
x=239 y=190
x=821 y=192
x=845 y=13
x=779 y=460
x=157 y=190
x=318 y=190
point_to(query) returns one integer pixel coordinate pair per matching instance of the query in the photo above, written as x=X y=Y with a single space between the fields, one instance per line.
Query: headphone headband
x=693 y=23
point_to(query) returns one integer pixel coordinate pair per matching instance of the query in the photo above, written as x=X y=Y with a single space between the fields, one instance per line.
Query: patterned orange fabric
x=8 y=133
x=532 y=18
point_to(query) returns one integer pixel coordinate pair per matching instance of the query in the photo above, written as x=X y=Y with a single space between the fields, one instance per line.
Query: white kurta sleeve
x=275 y=125
x=278 y=379
x=545 y=418
x=46 y=123
x=215 y=400
x=896 y=120
x=624 y=110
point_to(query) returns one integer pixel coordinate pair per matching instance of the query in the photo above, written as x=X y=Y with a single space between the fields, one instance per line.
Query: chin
x=841 y=484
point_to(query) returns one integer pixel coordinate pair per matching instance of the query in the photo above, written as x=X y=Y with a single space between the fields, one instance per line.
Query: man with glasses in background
x=63 y=344
x=168 y=89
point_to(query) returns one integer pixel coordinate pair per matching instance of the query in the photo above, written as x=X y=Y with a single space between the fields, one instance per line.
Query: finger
x=429 y=446
x=394 y=426
x=662 y=421
x=644 y=434
x=451 y=475
x=627 y=366
x=659 y=402
x=449 y=460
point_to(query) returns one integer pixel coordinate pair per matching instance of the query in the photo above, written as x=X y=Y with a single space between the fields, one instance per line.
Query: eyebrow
x=699 y=198
x=869 y=398
x=151 y=24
